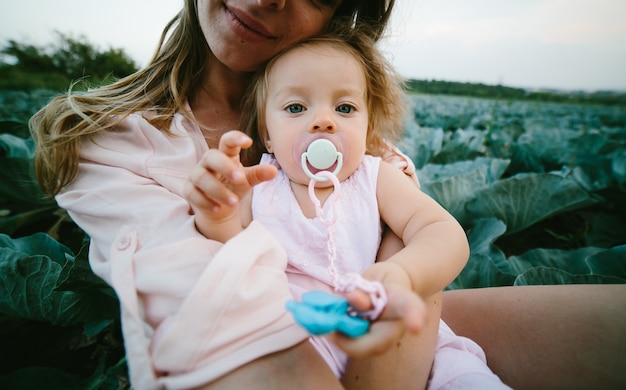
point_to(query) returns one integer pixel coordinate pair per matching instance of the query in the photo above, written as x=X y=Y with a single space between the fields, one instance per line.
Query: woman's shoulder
x=147 y=124
x=136 y=141
x=144 y=131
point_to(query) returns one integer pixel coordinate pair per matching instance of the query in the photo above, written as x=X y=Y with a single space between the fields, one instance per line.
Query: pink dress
x=357 y=235
x=458 y=360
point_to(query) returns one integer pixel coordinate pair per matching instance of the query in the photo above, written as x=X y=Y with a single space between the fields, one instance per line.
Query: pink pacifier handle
x=352 y=281
x=325 y=175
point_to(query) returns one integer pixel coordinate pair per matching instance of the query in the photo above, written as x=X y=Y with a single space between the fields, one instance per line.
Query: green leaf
x=618 y=165
x=17 y=177
x=27 y=288
x=453 y=185
x=481 y=271
x=462 y=145
x=37 y=244
x=421 y=143
x=492 y=168
x=108 y=378
x=604 y=230
x=548 y=144
x=16 y=147
x=33 y=271
x=588 y=144
x=573 y=261
x=593 y=173
x=525 y=199
x=522 y=157
x=482 y=236
x=547 y=275
x=93 y=329
x=609 y=262
x=16 y=107
x=483 y=268
x=14 y=219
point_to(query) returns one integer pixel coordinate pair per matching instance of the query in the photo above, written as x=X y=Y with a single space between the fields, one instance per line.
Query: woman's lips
x=247 y=27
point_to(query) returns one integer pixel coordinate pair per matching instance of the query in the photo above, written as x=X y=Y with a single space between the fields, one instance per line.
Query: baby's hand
x=217 y=184
x=405 y=311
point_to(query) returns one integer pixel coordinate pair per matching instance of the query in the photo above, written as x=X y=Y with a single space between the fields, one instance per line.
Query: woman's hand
x=395 y=157
x=405 y=312
x=217 y=184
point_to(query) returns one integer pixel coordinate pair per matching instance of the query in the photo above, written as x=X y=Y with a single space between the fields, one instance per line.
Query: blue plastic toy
x=320 y=313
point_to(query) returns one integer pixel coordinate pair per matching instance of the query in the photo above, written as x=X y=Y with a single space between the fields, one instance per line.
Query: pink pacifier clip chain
x=352 y=281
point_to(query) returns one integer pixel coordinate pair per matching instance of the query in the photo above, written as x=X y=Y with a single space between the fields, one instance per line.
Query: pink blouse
x=192 y=309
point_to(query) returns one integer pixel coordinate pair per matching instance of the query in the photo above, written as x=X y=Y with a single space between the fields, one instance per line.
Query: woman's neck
x=216 y=104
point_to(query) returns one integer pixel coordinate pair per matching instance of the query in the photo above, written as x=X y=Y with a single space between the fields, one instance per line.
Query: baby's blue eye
x=345 y=109
x=295 y=108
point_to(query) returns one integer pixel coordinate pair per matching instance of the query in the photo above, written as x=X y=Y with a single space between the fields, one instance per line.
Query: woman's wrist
x=221 y=231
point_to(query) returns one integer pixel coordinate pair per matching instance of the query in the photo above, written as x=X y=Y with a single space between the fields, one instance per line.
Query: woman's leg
x=406 y=366
x=566 y=336
x=299 y=367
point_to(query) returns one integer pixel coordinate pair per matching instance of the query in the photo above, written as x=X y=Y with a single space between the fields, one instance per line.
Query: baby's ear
x=268 y=146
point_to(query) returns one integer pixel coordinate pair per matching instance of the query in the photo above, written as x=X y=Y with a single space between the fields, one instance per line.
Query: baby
x=324 y=110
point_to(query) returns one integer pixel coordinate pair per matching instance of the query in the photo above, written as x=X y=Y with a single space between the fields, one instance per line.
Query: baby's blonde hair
x=385 y=96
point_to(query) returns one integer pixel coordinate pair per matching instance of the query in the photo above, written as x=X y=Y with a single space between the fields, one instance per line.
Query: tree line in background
x=26 y=67
x=439 y=87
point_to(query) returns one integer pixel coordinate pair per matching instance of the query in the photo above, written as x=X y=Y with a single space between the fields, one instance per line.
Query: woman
x=117 y=158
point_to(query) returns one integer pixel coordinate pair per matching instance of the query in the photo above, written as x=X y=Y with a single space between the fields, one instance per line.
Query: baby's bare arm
x=436 y=247
x=434 y=252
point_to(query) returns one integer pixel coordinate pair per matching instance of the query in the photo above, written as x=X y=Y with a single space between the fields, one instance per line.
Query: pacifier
x=321 y=154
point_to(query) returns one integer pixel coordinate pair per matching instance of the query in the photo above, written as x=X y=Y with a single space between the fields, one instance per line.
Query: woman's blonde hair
x=384 y=89
x=163 y=87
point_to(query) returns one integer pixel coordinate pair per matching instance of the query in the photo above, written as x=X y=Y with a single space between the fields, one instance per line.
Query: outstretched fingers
x=219 y=180
x=231 y=144
x=224 y=162
x=259 y=173
x=214 y=179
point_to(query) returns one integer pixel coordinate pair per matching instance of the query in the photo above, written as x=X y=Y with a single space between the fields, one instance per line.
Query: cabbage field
x=539 y=187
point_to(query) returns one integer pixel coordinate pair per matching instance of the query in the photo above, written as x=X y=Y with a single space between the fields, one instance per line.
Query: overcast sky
x=564 y=44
